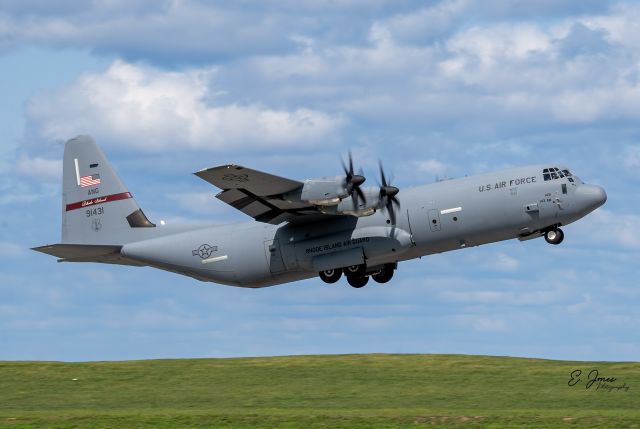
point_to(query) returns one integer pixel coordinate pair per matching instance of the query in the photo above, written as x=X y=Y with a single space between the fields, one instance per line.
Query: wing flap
x=263 y=209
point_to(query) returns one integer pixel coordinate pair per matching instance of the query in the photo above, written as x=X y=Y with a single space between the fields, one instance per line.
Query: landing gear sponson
x=358 y=275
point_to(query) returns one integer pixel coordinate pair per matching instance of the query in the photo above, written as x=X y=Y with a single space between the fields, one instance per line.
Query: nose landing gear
x=554 y=236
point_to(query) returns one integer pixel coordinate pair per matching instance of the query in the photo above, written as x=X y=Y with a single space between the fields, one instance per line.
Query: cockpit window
x=554 y=173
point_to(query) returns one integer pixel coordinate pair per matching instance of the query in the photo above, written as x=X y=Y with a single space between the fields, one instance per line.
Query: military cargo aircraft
x=326 y=227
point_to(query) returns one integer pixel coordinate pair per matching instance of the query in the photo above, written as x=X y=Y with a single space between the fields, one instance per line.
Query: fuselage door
x=434 y=220
x=274 y=256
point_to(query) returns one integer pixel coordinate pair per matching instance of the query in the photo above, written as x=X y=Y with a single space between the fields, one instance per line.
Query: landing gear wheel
x=355 y=270
x=331 y=276
x=385 y=274
x=554 y=236
x=358 y=281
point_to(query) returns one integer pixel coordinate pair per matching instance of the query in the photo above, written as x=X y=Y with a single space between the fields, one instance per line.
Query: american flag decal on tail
x=90 y=180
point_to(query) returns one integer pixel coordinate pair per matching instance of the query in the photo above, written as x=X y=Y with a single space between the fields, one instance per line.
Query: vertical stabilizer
x=96 y=206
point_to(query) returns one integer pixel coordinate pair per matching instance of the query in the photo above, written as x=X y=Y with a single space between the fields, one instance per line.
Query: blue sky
x=437 y=88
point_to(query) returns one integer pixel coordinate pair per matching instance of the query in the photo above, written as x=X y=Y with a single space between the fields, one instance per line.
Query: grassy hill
x=355 y=391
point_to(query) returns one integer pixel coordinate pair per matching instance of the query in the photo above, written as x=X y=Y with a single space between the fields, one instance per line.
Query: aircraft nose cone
x=591 y=196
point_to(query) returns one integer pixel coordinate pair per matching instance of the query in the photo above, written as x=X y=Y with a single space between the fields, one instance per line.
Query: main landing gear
x=554 y=236
x=357 y=275
x=385 y=273
x=331 y=276
x=357 y=282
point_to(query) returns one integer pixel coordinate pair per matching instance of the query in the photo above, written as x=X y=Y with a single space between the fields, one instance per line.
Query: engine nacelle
x=325 y=191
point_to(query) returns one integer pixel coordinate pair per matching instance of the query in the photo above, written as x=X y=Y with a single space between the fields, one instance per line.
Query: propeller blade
x=361 y=194
x=391 y=211
x=353 y=182
x=382 y=177
x=350 y=164
x=388 y=200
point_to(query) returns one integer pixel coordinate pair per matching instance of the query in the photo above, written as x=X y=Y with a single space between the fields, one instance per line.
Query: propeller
x=353 y=182
x=388 y=196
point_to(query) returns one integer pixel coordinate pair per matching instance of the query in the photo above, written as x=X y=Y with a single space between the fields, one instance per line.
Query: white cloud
x=151 y=109
x=162 y=30
x=480 y=323
x=10 y=250
x=42 y=168
x=426 y=22
x=621 y=25
x=489 y=79
x=431 y=166
x=492 y=45
x=504 y=262
x=203 y=203
x=632 y=158
x=610 y=228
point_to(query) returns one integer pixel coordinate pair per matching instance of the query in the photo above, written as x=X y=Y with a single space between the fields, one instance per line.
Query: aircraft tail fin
x=97 y=208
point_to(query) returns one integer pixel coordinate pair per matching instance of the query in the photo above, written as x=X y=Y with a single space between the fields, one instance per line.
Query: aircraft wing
x=257 y=194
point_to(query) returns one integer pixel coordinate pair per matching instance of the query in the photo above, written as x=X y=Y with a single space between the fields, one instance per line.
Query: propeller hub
x=389 y=191
x=357 y=180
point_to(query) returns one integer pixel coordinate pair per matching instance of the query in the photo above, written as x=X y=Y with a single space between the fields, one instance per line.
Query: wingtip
x=219 y=167
x=41 y=248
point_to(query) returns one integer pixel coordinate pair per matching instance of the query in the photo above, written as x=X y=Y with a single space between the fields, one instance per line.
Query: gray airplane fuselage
x=433 y=218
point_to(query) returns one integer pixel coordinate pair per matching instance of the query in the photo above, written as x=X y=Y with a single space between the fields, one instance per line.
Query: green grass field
x=354 y=391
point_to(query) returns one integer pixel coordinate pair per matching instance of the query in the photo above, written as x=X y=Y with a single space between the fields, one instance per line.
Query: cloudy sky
x=434 y=88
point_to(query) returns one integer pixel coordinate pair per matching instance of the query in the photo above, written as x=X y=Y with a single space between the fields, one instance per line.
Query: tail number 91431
x=95 y=212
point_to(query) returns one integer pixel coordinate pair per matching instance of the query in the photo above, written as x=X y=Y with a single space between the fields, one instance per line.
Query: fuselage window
x=564 y=188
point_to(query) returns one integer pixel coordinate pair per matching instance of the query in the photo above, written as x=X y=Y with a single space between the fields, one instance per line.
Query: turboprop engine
x=330 y=194
x=330 y=191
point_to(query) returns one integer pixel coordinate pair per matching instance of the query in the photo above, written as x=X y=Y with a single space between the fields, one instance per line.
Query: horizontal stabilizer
x=87 y=253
